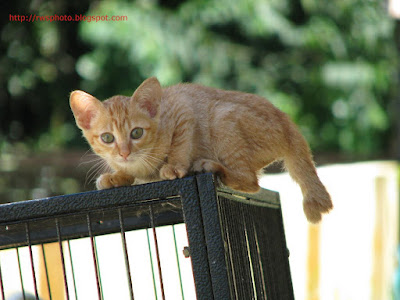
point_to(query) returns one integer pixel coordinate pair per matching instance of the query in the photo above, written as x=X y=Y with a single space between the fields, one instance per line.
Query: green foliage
x=37 y=74
x=331 y=65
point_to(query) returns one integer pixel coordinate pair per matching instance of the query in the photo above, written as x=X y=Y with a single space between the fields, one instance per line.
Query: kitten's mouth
x=125 y=160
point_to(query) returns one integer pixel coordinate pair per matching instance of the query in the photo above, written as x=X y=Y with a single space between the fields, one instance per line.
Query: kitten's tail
x=301 y=168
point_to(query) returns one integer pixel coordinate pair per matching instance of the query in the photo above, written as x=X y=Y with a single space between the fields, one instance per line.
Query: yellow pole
x=51 y=273
x=378 y=267
x=312 y=289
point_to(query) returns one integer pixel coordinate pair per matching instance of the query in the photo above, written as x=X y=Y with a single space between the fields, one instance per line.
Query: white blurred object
x=352 y=253
x=394 y=8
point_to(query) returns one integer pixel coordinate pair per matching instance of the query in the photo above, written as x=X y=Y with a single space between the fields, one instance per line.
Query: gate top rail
x=137 y=194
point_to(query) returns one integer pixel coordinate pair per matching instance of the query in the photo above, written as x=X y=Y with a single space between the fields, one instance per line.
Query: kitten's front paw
x=107 y=180
x=171 y=172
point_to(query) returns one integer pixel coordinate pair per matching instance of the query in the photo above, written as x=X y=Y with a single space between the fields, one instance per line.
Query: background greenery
x=331 y=65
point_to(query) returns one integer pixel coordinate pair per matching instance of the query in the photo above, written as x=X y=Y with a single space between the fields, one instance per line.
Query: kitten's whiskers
x=93 y=158
x=151 y=161
x=98 y=168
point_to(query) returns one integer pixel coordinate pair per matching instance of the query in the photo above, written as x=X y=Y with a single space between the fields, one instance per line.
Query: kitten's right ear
x=148 y=96
x=85 y=107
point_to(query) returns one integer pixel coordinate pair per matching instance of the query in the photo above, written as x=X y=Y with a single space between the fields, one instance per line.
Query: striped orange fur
x=166 y=133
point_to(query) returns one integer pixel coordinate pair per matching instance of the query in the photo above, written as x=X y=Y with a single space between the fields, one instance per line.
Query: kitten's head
x=122 y=130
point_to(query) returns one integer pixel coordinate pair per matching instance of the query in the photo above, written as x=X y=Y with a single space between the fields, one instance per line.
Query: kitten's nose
x=124 y=152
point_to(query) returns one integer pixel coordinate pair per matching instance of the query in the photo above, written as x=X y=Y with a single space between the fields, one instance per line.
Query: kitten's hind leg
x=208 y=165
x=241 y=180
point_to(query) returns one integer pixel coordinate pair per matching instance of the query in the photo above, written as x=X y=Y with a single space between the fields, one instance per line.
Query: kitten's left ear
x=85 y=108
x=148 y=96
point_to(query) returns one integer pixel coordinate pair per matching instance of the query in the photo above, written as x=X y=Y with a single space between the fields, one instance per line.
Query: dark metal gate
x=235 y=241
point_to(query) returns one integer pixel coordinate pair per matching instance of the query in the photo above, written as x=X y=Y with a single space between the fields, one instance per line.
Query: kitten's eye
x=137 y=133
x=107 y=138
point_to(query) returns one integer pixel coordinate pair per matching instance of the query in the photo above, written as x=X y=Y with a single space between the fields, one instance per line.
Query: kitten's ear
x=148 y=96
x=85 y=107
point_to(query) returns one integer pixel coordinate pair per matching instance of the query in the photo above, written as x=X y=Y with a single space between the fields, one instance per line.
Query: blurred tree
x=37 y=72
x=331 y=65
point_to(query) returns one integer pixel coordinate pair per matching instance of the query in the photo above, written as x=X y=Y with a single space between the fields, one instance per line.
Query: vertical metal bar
x=95 y=258
x=28 y=240
x=249 y=256
x=127 y=266
x=157 y=252
x=201 y=211
x=72 y=269
x=62 y=257
x=253 y=250
x=151 y=264
x=20 y=274
x=177 y=261
x=1 y=285
x=261 y=271
x=47 y=272
x=233 y=279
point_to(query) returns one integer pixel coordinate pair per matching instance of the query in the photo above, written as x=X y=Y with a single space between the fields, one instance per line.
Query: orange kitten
x=165 y=133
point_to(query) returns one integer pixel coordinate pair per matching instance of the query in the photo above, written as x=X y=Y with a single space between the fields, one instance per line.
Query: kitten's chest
x=141 y=169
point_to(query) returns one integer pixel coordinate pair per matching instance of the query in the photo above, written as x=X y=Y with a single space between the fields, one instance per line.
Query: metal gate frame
x=236 y=241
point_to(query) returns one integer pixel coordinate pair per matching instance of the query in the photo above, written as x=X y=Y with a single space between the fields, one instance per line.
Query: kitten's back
x=244 y=133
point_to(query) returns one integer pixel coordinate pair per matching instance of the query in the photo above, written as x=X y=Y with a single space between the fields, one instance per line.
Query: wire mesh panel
x=257 y=257
x=181 y=239
x=116 y=253
x=250 y=228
